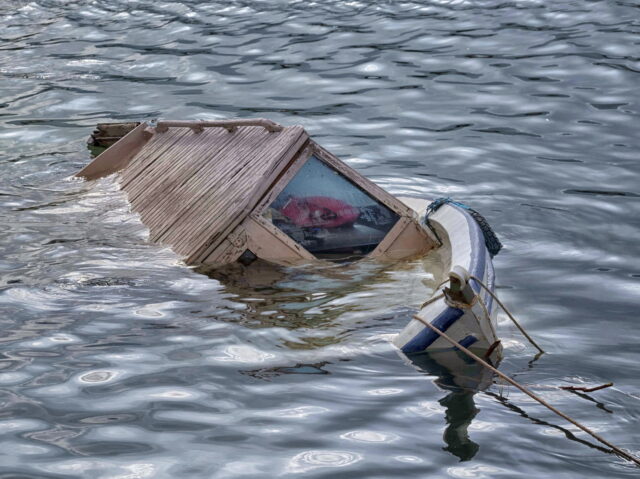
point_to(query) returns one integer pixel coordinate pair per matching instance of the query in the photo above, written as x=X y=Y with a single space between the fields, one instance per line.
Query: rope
x=504 y=308
x=429 y=301
x=486 y=312
x=529 y=393
x=490 y=239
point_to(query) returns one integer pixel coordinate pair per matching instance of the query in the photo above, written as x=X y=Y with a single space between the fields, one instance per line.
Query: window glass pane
x=329 y=215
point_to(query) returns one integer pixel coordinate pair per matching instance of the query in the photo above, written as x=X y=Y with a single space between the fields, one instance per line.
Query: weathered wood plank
x=245 y=184
x=269 y=243
x=218 y=185
x=152 y=151
x=214 y=192
x=172 y=214
x=117 y=156
x=230 y=124
x=405 y=240
x=161 y=167
x=169 y=182
x=266 y=172
x=192 y=189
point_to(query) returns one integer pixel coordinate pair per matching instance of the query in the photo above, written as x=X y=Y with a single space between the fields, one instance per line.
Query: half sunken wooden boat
x=220 y=192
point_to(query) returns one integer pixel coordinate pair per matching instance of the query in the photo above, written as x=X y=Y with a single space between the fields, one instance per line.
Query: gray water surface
x=117 y=361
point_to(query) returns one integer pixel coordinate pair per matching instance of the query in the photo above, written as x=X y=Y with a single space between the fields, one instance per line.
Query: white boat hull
x=463 y=245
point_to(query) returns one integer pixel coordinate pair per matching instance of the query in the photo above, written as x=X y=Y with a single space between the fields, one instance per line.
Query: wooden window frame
x=406 y=216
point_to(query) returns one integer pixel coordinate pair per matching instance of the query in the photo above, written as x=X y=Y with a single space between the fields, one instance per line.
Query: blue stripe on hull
x=478 y=260
x=468 y=341
x=478 y=263
x=426 y=337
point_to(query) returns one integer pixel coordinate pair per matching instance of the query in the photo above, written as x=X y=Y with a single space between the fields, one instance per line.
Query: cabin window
x=329 y=215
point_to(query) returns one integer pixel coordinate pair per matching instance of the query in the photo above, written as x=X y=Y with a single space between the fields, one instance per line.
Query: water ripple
x=118 y=361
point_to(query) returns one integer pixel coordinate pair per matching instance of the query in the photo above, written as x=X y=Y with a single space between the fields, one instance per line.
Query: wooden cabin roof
x=195 y=184
x=192 y=188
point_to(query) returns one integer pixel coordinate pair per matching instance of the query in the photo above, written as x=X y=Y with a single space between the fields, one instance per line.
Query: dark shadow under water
x=461 y=377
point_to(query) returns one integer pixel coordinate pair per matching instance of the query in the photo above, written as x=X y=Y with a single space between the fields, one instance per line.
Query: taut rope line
x=504 y=308
x=529 y=393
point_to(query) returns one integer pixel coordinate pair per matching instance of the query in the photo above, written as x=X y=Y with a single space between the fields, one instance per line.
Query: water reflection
x=439 y=98
x=323 y=302
x=462 y=378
